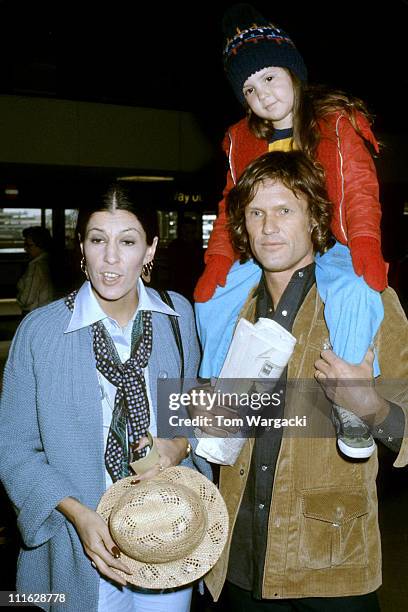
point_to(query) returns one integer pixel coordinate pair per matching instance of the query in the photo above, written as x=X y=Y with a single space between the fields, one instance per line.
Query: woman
x=70 y=411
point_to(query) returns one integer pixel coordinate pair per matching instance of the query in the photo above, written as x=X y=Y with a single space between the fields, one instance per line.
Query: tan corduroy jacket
x=323 y=537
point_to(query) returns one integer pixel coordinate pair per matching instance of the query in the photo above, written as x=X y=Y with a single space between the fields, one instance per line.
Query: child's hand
x=368 y=261
x=215 y=274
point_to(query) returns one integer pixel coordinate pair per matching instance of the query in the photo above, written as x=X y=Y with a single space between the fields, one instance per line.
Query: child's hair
x=312 y=103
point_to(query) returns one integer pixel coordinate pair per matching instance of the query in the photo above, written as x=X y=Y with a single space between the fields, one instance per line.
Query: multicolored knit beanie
x=253 y=43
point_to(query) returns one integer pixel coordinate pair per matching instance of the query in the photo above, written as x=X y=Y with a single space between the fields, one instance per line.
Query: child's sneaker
x=353 y=436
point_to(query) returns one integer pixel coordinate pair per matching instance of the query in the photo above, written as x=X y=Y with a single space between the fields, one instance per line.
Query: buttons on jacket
x=163 y=374
x=242 y=472
x=339 y=516
x=339 y=512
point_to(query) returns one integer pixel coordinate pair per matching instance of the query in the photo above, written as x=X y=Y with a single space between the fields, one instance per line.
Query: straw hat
x=170 y=529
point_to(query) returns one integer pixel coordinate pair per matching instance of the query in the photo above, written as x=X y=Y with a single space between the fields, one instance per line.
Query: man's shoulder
x=391 y=301
x=392 y=339
x=248 y=309
x=393 y=311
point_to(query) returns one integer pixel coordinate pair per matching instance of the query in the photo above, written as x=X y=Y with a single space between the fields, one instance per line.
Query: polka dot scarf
x=131 y=410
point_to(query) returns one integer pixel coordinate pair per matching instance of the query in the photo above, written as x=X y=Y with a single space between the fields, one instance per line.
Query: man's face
x=279 y=227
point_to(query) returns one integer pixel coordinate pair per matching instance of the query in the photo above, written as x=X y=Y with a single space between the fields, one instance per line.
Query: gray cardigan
x=51 y=441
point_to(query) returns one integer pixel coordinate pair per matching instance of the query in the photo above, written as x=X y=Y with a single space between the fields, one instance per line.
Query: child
x=268 y=75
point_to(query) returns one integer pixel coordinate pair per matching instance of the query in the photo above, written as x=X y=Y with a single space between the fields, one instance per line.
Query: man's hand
x=211 y=425
x=351 y=386
x=172 y=452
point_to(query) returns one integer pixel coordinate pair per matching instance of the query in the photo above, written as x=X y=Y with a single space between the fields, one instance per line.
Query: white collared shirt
x=87 y=311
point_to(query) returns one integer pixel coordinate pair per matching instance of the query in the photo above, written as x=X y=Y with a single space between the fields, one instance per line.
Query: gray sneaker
x=353 y=436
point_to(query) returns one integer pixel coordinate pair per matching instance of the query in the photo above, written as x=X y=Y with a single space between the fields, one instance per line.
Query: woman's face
x=115 y=250
x=270 y=95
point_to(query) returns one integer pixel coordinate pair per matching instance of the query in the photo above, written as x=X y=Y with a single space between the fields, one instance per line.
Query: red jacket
x=351 y=178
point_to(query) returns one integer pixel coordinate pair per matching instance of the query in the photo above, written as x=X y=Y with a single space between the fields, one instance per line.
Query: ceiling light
x=145 y=178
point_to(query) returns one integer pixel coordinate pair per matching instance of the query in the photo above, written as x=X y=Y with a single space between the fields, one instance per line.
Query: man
x=304 y=525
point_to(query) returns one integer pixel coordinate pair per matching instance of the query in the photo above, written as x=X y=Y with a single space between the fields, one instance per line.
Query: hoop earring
x=83 y=267
x=147 y=271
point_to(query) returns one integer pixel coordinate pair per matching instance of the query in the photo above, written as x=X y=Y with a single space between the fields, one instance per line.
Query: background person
x=35 y=287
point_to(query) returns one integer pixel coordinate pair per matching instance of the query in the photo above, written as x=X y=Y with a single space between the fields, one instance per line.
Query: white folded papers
x=257 y=351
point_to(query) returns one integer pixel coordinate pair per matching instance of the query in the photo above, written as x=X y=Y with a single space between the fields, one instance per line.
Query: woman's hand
x=96 y=539
x=172 y=452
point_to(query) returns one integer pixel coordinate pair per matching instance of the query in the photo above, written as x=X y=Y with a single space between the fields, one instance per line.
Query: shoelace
x=350 y=419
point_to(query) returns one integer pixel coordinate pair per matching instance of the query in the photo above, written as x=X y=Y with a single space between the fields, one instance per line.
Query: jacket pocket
x=333 y=528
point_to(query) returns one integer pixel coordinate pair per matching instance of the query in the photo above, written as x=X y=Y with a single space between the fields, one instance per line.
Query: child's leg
x=216 y=318
x=353 y=311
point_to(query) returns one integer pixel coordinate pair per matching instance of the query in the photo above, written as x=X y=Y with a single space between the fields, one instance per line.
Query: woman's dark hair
x=312 y=103
x=116 y=197
x=296 y=172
